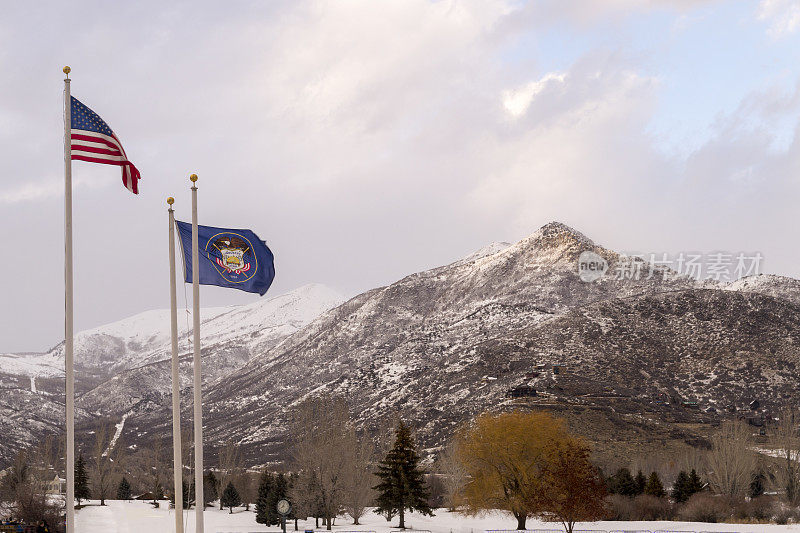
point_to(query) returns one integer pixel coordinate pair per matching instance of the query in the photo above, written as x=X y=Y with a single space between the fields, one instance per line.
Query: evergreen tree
x=185 y=496
x=680 y=490
x=622 y=482
x=230 y=497
x=695 y=483
x=402 y=485
x=124 y=489
x=262 y=501
x=639 y=483
x=756 y=485
x=210 y=488
x=82 y=491
x=277 y=491
x=654 y=487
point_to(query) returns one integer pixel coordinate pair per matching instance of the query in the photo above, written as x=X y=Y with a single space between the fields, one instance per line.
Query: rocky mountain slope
x=124 y=367
x=647 y=362
x=443 y=345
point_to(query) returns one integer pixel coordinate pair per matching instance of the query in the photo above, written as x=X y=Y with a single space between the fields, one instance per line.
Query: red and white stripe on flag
x=93 y=140
x=98 y=148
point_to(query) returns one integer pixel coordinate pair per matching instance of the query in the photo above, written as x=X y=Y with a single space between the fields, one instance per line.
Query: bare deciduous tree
x=453 y=476
x=24 y=487
x=787 y=444
x=154 y=468
x=230 y=466
x=247 y=484
x=357 y=492
x=730 y=461
x=321 y=430
x=107 y=454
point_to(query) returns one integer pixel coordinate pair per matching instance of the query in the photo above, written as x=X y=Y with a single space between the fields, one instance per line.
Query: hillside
x=123 y=368
x=643 y=365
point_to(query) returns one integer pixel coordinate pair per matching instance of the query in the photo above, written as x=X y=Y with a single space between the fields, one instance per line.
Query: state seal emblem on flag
x=235 y=258
x=230 y=254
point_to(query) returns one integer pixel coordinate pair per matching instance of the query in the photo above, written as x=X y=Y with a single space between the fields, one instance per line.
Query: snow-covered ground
x=33 y=364
x=141 y=517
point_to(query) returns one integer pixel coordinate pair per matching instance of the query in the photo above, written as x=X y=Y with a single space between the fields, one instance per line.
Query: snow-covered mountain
x=125 y=366
x=144 y=338
x=618 y=357
x=646 y=361
x=769 y=284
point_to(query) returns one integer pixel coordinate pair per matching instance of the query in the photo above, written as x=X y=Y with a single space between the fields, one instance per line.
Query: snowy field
x=141 y=517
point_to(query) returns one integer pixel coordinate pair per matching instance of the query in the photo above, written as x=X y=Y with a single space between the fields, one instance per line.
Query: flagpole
x=69 y=393
x=177 y=455
x=198 y=407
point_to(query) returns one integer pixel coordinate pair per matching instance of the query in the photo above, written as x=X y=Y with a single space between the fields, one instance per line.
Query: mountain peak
x=560 y=233
x=557 y=238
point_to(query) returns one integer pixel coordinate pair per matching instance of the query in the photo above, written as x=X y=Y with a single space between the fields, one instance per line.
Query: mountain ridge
x=442 y=345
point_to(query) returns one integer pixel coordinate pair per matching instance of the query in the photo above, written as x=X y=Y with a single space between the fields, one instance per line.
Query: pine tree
x=756 y=485
x=184 y=495
x=695 y=483
x=230 y=497
x=622 y=482
x=680 y=490
x=639 y=483
x=277 y=491
x=402 y=485
x=654 y=487
x=82 y=491
x=262 y=502
x=210 y=487
x=124 y=489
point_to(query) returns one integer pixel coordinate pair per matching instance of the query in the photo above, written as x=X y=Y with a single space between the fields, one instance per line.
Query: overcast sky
x=368 y=140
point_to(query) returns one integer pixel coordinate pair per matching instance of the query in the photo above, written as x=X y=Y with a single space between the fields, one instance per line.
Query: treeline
x=530 y=465
x=527 y=463
x=24 y=486
x=733 y=480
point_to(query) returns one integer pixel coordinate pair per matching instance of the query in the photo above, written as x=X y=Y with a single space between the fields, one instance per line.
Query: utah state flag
x=234 y=258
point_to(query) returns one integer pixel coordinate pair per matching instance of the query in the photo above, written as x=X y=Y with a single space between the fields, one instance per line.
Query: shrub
x=703 y=507
x=782 y=517
x=647 y=507
x=758 y=509
x=619 y=507
x=783 y=514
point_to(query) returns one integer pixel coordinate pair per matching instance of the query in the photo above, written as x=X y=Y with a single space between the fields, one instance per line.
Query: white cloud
x=783 y=16
x=517 y=101
x=375 y=133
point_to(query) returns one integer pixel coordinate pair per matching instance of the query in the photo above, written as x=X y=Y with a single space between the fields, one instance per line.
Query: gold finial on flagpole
x=66 y=70
x=193 y=177
x=170 y=201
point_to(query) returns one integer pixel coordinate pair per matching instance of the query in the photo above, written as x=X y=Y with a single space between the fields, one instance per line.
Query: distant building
x=56 y=486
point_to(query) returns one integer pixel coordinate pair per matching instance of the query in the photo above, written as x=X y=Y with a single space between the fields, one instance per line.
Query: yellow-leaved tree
x=518 y=462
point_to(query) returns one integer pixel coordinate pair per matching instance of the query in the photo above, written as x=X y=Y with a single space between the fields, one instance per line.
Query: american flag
x=93 y=141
